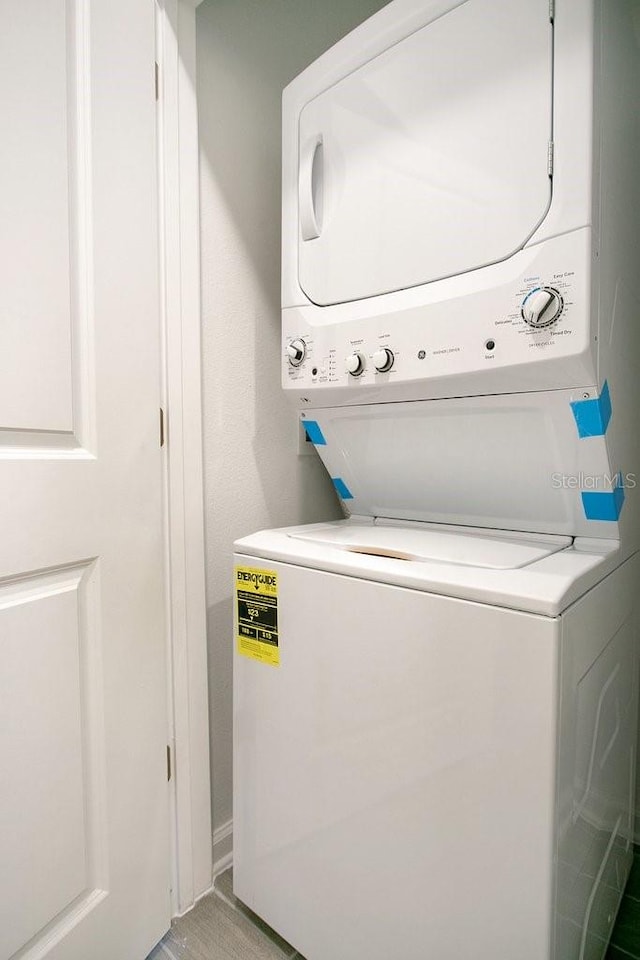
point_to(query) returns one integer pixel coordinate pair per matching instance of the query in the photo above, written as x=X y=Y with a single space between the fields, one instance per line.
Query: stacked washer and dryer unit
x=436 y=698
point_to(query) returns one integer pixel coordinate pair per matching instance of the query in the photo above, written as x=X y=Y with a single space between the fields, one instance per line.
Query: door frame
x=179 y=229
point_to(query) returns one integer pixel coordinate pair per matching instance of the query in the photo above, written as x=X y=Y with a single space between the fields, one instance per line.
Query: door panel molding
x=47 y=316
x=53 y=730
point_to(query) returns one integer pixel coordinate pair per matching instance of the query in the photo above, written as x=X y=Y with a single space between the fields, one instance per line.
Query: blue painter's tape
x=592 y=416
x=313 y=431
x=603 y=505
x=341 y=488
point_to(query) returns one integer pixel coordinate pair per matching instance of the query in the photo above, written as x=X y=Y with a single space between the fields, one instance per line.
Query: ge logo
x=422 y=354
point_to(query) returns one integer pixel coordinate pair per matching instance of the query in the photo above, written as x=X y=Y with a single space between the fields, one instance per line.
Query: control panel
x=528 y=315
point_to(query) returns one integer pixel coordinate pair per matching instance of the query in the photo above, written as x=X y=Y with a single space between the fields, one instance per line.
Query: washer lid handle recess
x=433 y=546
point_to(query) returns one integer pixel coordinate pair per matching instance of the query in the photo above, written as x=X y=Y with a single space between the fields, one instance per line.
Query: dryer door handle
x=311 y=188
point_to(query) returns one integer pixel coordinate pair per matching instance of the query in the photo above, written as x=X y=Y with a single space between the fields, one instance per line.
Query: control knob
x=542 y=307
x=383 y=359
x=355 y=364
x=296 y=352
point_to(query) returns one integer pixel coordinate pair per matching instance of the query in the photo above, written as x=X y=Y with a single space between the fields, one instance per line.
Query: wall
x=247 y=51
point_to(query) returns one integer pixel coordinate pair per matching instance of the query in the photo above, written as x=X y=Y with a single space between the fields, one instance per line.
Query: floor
x=221 y=928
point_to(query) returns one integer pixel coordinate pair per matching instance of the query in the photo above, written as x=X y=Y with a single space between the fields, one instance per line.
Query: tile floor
x=222 y=928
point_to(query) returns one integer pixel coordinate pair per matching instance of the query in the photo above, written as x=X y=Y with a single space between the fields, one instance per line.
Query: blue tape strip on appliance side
x=603 y=505
x=592 y=416
x=314 y=432
x=341 y=488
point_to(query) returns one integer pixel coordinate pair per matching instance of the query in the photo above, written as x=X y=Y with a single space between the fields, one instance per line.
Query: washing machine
x=435 y=699
x=434 y=740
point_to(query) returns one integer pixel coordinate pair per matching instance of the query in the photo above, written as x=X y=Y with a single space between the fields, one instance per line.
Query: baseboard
x=205 y=893
x=222 y=848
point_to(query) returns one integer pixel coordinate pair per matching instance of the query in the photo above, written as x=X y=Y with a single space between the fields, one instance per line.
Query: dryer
x=435 y=700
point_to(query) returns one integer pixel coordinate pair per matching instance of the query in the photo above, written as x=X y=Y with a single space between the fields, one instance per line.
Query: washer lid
x=496 y=552
x=431 y=159
x=556 y=571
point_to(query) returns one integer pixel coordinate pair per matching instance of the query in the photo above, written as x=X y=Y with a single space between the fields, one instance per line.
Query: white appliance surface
x=422 y=130
x=540 y=575
x=435 y=701
x=505 y=462
x=440 y=334
x=352 y=65
x=431 y=544
x=423 y=776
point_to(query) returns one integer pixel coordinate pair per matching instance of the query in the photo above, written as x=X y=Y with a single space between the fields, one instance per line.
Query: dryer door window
x=430 y=160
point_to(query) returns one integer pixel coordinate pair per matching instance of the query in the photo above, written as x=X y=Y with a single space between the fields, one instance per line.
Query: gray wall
x=247 y=51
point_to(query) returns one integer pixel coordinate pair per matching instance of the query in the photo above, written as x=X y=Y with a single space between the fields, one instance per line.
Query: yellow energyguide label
x=257 y=609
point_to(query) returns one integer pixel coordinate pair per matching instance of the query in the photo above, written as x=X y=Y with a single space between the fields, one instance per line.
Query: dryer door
x=431 y=159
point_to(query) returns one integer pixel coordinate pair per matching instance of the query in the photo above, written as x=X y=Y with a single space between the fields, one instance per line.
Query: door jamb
x=190 y=790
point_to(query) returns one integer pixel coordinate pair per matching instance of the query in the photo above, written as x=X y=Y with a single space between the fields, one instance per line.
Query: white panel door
x=431 y=159
x=83 y=722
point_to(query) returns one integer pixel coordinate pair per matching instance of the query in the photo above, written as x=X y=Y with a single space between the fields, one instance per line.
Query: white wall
x=247 y=51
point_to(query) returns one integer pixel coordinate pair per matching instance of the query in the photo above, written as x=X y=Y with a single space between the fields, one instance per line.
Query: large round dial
x=383 y=359
x=355 y=364
x=296 y=351
x=542 y=307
